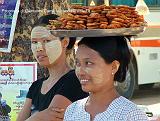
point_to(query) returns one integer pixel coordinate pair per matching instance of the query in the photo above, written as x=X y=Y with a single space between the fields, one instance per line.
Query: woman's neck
x=99 y=102
x=56 y=71
x=104 y=97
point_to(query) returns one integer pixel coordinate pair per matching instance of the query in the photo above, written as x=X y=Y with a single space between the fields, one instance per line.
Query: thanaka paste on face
x=53 y=48
x=35 y=48
x=97 y=78
x=40 y=32
x=88 y=70
x=39 y=46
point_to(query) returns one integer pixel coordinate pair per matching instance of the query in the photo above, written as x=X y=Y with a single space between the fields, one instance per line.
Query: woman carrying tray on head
x=100 y=61
x=48 y=97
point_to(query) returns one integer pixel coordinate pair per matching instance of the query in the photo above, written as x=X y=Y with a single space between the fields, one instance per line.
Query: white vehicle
x=144 y=70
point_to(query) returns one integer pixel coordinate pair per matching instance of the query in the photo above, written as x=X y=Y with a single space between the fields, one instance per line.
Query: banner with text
x=8 y=16
x=15 y=80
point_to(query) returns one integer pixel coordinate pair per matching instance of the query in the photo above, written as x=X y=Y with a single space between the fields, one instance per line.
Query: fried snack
x=69 y=17
x=80 y=12
x=92 y=24
x=80 y=22
x=118 y=20
x=69 y=27
x=99 y=17
x=82 y=26
x=92 y=8
x=94 y=15
x=103 y=25
x=134 y=25
x=90 y=20
x=96 y=11
x=84 y=16
x=78 y=7
x=104 y=11
x=55 y=24
x=113 y=26
x=93 y=27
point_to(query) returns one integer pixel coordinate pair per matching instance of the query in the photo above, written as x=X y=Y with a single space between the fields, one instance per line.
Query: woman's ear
x=65 y=42
x=115 y=66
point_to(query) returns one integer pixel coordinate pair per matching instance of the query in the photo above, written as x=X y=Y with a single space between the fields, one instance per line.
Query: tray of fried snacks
x=83 y=21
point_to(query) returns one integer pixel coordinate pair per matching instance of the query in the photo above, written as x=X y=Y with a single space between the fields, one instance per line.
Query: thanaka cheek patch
x=39 y=46
x=77 y=70
x=34 y=50
x=53 y=50
x=36 y=47
x=88 y=71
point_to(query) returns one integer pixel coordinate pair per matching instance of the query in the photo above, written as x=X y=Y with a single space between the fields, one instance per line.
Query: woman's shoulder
x=76 y=106
x=35 y=87
x=129 y=108
x=125 y=103
x=39 y=81
x=71 y=74
x=71 y=77
x=70 y=87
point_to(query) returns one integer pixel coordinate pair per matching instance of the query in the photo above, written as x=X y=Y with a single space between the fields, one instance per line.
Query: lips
x=41 y=57
x=84 y=81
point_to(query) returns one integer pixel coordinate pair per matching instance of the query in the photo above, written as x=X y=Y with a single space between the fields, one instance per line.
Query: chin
x=44 y=64
x=86 y=89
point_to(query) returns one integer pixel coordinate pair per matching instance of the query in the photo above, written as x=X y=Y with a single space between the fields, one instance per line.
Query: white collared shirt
x=121 y=109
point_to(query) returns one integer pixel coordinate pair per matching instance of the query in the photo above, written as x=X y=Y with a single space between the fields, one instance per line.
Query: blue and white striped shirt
x=121 y=109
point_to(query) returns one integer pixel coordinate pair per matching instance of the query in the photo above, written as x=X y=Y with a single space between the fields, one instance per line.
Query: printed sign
x=15 y=80
x=8 y=16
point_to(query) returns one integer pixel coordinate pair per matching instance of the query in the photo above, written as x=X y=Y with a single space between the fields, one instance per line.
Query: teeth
x=84 y=80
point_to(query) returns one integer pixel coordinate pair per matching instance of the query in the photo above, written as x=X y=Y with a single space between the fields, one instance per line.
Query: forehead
x=86 y=52
x=40 y=29
x=39 y=39
x=44 y=38
x=40 y=32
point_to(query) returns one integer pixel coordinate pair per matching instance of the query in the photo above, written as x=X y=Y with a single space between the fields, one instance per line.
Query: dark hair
x=111 y=48
x=44 y=20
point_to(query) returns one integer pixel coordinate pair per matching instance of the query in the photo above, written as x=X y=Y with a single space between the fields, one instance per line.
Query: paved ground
x=149 y=98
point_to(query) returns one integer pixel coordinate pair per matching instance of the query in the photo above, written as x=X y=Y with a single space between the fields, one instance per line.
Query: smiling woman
x=100 y=61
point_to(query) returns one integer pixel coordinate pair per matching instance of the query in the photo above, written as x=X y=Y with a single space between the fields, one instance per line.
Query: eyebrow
x=44 y=38
x=85 y=58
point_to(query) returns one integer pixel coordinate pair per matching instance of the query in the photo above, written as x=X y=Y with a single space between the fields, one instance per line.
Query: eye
x=34 y=42
x=46 y=41
x=88 y=63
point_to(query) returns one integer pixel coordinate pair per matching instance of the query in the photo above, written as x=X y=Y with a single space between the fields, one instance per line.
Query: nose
x=80 y=71
x=39 y=46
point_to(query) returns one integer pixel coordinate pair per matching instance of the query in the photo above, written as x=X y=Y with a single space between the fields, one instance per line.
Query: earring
x=112 y=73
